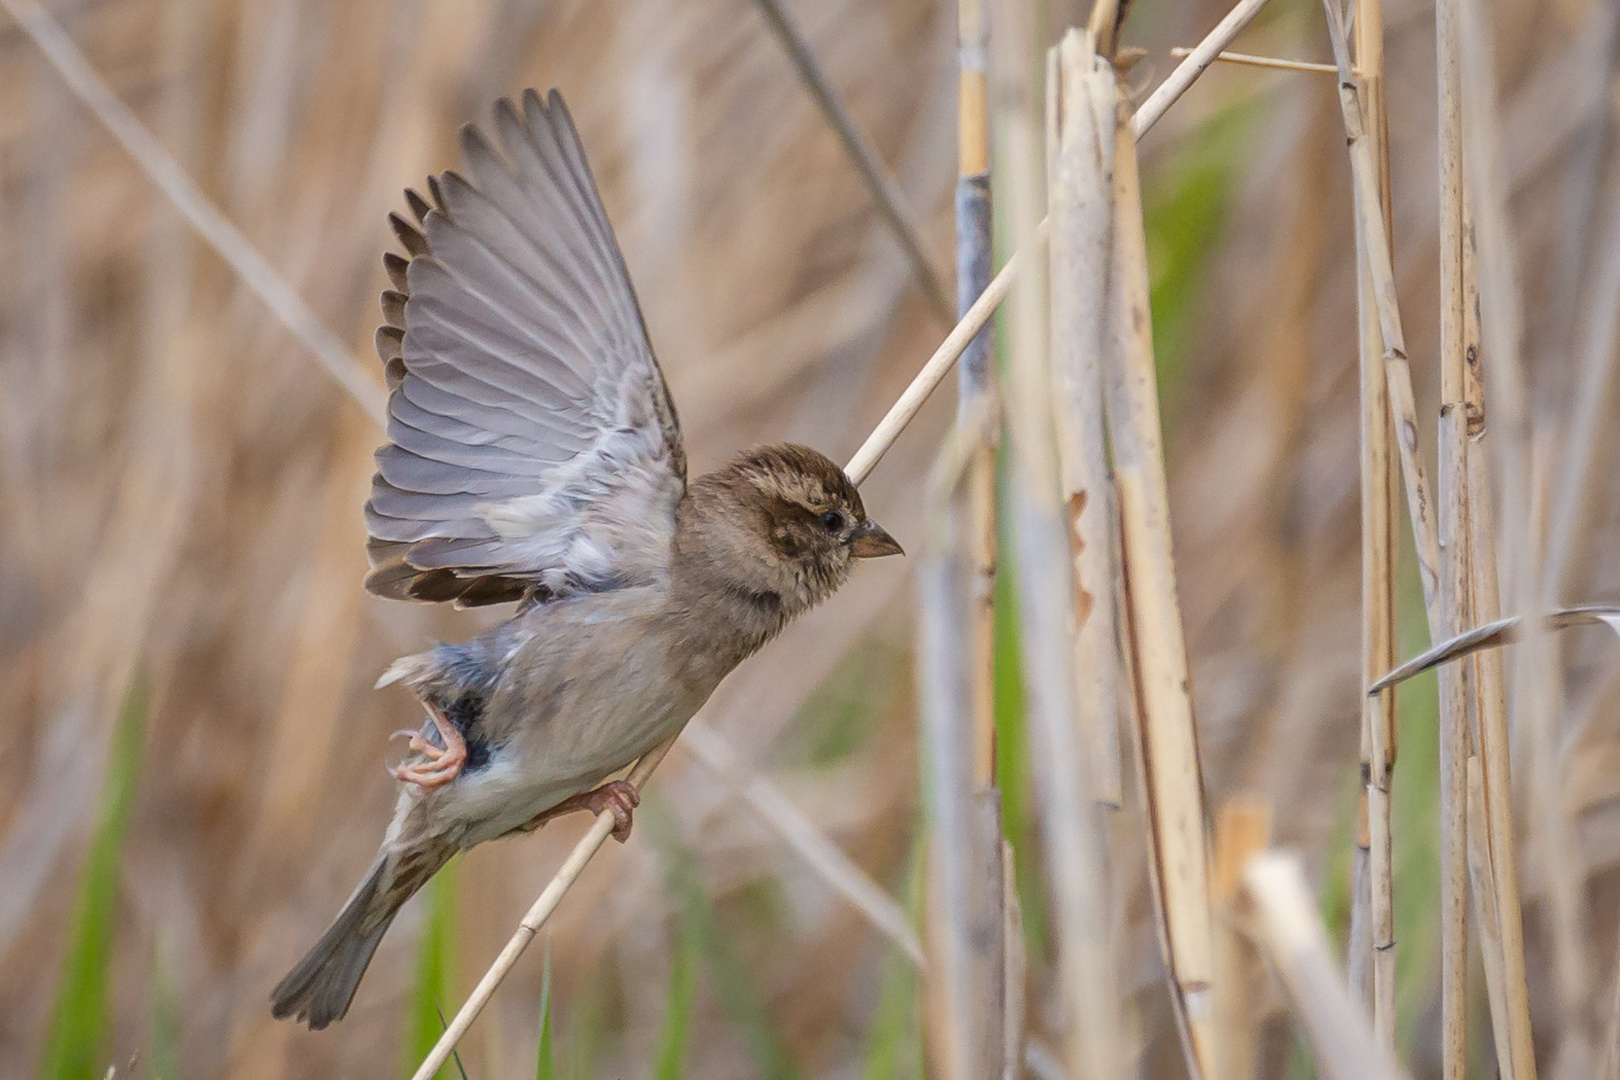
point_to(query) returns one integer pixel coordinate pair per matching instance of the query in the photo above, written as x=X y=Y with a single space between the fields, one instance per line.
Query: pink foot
x=443 y=765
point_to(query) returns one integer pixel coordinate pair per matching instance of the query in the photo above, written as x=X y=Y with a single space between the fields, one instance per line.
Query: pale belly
x=595 y=728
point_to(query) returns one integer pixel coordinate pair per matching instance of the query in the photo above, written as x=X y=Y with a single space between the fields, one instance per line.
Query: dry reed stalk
x=966 y=919
x=1456 y=572
x=1538 y=686
x=891 y=202
x=1510 y=1024
x=1014 y=970
x=1486 y=918
x=1172 y=781
x=968 y=1001
x=1373 y=971
x=976 y=375
x=1242 y=831
x=943 y=620
x=1397 y=371
x=1075 y=854
x=1083 y=103
x=1272 y=62
x=1287 y=924
x=537 y=915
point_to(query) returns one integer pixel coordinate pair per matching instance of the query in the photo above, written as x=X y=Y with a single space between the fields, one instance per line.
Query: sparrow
x=534 y=456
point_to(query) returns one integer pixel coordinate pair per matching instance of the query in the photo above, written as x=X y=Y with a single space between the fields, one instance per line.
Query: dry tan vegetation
x=181 y=482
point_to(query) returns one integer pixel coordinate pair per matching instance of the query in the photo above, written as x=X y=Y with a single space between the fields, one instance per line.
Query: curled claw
x=443 y=764
x=618 y=797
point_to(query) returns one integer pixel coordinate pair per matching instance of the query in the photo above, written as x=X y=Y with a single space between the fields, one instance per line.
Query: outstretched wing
x=532 y=444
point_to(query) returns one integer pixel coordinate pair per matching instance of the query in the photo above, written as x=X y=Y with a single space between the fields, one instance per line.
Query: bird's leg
x=444 y=763
x=618 y=797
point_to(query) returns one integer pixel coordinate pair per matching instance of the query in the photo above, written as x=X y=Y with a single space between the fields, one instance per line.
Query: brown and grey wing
x=531 y=438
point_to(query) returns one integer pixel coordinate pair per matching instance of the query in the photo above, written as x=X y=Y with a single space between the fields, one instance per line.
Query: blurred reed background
x=191 y=764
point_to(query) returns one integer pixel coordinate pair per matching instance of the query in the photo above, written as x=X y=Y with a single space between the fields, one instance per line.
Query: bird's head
x=785 y=520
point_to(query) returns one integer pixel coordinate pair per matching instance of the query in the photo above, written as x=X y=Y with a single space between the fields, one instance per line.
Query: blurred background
x=191 y=755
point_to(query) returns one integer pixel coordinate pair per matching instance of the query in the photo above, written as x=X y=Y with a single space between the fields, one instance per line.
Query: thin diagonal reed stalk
x=1202 y=55
x=200 y=213
x=891 y=203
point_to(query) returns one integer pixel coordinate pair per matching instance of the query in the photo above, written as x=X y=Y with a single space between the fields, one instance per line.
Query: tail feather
x=320 y=987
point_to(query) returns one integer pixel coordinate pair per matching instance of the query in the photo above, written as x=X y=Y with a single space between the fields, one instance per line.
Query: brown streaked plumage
x=534 y=456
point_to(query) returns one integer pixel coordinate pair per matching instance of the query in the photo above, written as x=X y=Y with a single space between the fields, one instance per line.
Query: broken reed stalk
x=1372 y=959
x=1082 y=110
x=1242 y=831
x=1288 y=925
x=891 y=202
x=1172 y=782
x=1456 y=574
x=1537 y=683
x=1071 y=833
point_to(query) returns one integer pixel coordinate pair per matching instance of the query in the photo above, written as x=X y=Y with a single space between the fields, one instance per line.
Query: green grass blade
x=894 y=1043
x=79 y=1014
x=435 y=970
x=163 y=1038
x=683 y=969
x=728 y=977
x=545 y=1058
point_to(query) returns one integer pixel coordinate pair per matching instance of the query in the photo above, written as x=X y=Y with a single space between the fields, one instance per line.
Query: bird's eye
x=832 y=521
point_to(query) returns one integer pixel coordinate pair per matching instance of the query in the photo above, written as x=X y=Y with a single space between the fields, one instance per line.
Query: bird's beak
x=869 y=541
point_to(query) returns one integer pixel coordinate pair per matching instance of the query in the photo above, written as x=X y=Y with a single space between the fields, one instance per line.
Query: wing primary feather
x=533 y=448
x=389 y=339
x=419 y=206
x=393 y=308
x=414 y=241
x=396 y=266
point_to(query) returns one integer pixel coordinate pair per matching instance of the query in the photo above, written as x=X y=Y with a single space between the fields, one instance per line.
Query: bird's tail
x=320 y=986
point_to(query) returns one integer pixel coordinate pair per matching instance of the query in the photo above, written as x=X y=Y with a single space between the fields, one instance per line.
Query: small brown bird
x=533 y=455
